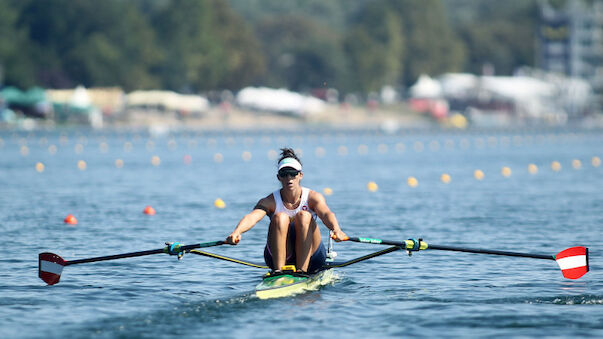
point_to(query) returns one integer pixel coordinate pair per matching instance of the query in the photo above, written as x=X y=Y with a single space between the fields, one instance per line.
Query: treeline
x=195 y=46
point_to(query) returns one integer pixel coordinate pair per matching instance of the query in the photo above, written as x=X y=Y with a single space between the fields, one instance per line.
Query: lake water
x=106 y=178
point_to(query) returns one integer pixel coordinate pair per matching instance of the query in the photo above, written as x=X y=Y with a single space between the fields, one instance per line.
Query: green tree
x=333 y=14
x=395 y=41
x=432 y=47
x=375 y=49
x=193 y=45
x=16 y=67
x=207 y=46
x=91 y=43
x=120 y=49
x=242 y=56
x=499 y=33
x=302 y=53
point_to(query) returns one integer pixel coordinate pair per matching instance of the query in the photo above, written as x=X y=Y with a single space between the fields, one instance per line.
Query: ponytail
x=288 y=153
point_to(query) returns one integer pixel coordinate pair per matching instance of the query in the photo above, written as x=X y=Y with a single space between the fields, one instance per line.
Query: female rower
x=293 y=236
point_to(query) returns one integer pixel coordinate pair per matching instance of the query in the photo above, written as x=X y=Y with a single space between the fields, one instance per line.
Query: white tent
x=426 y=87
x=279 y=100
x=80 y=97
x=458 y=85
x=167 y=100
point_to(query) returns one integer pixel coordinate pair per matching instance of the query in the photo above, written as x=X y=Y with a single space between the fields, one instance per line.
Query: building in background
x=570 y=42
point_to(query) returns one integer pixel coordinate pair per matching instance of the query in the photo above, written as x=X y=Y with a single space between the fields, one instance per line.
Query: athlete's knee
x=280 y=220
x=303 y=219
x=304 y=216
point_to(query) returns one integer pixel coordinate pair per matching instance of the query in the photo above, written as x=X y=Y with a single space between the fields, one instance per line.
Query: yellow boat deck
x=288 y=285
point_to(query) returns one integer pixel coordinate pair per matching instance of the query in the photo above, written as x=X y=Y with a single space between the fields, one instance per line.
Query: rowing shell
x=285 y=285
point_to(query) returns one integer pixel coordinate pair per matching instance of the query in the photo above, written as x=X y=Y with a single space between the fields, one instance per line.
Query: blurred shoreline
x=240 y=119
x=388 y=119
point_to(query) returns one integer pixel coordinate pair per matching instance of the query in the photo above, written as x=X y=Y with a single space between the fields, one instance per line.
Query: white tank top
x=303 y=204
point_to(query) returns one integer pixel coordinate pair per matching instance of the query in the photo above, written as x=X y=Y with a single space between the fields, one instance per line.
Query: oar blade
x=50 y=267
x=573 y=262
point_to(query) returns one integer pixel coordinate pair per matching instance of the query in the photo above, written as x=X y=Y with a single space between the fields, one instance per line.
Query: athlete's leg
x=318 y=259
x=277 y=239
x=307 y=239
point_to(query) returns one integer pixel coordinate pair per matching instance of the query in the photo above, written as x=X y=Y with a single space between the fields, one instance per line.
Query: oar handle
x=413 y=244
x=142 y=253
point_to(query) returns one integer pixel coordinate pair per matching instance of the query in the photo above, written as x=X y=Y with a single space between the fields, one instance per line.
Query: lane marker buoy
x=272 y=155
x=24 y=150
x=103 y=147
x=149 y=210
x=219 y=203
x=78 y=148
x=128 y=146
x=506 y=172
x=320 y=152
x=478 y=174
x=372 y=186
x=70 y=219
x=576 y=164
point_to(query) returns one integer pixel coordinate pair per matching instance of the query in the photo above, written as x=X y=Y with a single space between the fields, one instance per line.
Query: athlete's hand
x=233 y=238
x=339 y=235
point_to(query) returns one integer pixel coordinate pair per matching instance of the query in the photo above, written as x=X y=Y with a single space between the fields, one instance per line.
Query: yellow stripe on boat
x=288 y=285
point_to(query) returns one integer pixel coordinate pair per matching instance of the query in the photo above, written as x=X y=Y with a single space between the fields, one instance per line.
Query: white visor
x=290 y=162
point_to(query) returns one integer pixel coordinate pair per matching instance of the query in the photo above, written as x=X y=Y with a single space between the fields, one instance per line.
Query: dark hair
x=288 y=153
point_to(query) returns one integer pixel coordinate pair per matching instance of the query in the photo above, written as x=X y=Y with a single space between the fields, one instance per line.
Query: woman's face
x=289 y=177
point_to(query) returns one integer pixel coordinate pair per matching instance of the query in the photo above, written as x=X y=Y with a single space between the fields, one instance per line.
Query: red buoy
x=70 y=219
x=149 y=210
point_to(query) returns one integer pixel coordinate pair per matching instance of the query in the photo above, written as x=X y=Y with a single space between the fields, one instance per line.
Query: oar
x=50 y=265
x=572 y=261
x=234 y=260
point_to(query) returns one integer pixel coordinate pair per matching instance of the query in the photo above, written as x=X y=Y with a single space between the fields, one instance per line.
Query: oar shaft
x=363 y=258
x=115 y=256
x=140 y=253
x=409 y=244
x=493 y=252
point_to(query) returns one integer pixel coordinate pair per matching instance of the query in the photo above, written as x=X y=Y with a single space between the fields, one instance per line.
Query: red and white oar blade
x=573 y=262
x=50 y=267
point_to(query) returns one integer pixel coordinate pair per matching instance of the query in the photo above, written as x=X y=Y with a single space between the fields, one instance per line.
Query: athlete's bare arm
x=265 y=206
x=318 y=204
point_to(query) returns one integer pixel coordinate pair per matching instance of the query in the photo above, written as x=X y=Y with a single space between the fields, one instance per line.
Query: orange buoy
x=149 y=210
x=70 y=219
